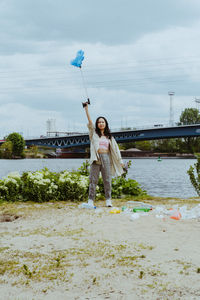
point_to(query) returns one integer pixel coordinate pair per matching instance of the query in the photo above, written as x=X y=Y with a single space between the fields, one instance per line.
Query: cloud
x=20 y=118
x=133 y=57
x=110 y=22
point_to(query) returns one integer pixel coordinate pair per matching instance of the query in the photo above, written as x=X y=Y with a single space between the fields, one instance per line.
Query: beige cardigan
x=115 y=155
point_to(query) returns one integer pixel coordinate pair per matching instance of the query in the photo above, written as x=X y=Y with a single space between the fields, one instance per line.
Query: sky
x=135 y=53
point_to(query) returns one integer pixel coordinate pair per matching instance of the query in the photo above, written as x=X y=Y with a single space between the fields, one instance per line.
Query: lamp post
x=197 y=100
x=171 y=112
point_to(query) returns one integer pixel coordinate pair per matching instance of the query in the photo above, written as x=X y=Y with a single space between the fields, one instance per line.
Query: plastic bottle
x=86 y=205
x=126 y=210
x=115 y=211
x=139 y=204
x=144 y=209
x=176 y=215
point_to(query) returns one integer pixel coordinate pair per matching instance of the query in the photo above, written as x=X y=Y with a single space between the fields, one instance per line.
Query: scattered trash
x=144 y=209
x=124 y=208
x=140 y=209
x=176 y=215
x=86 y=205
x=160 y=216
x=115 y=211
x=135 y=216
x=142 y=204
x=159 y=209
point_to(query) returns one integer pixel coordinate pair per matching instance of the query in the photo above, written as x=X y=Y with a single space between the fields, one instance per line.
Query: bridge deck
x=120 y=136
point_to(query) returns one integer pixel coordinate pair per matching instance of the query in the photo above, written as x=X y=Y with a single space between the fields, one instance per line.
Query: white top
x=115 y=155
x=104 y=143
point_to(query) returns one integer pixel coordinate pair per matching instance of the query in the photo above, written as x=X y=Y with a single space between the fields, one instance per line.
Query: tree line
x=178 y=145
x=13 y=147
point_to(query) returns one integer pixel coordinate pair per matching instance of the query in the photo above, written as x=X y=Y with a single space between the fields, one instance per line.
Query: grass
x=17 y=207
x=58 y=265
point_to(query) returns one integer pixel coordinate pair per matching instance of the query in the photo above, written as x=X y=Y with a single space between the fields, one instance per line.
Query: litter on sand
x=135 y=210
x=177 y=213
x=115 y=211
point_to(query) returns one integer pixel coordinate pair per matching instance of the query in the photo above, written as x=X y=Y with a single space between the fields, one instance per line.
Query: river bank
x=59 y=251
x=124 y=154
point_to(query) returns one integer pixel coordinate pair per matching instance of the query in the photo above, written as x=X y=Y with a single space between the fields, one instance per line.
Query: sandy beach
x=60 y=251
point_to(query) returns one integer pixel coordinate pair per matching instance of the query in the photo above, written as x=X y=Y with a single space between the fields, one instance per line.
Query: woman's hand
x=86 y=103
x=87 y=112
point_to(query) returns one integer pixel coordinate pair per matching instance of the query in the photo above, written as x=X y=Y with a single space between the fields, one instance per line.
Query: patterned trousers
x=104 y=167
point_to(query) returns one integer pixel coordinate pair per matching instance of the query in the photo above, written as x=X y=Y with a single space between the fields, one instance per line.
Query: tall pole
x=197 y=100
x=171 y=112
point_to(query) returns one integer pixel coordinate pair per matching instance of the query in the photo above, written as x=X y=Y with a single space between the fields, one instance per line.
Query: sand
x=60 y=251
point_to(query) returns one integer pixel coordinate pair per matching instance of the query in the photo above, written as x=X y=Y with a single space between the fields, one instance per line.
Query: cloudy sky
x=135 y=53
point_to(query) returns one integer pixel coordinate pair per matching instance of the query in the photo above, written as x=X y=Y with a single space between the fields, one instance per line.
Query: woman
x=104 y=156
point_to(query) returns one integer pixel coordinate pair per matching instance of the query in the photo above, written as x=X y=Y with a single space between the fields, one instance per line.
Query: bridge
x=82 y=140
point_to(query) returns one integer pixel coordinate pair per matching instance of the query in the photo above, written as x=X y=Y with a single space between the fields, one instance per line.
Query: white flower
x=3 y=187
x=7 y=180
x=14 y=175
x=54 y=186
x=61 y=179
x=47 y=180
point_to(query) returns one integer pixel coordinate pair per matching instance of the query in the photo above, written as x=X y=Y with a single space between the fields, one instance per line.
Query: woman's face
x=101 y=124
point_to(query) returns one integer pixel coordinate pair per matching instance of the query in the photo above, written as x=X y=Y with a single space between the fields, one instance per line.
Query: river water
x=166 y=178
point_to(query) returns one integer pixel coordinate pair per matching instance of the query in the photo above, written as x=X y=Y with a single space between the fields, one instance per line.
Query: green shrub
x=40 y=186
x=194 y=174
x=84 y=169
x=11 y=187
x=18 y=144
x=6 y=150
x=126 y=187
x=73 y=186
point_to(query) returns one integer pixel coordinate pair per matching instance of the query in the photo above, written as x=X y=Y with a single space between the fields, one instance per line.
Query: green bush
x=194 y=174
x=6 y=150
x=18 y=144
x=40 y=186
x=84 y=169
x=11 y=187
x=121 y=188
x=73 y=186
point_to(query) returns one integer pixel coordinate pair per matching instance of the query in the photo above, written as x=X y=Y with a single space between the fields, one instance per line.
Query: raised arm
x=87 y=114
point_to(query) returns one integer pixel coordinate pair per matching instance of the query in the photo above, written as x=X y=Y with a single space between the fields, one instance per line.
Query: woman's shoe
x=108 y=203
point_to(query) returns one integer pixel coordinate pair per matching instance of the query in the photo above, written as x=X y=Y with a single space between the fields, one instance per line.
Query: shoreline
x=129 y=154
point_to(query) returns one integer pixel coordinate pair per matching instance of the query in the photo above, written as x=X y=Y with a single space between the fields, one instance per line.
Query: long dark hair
x=107 y=132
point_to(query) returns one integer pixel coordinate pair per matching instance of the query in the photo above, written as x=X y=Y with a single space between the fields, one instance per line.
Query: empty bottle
x=86 y=205
x=144 y=209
